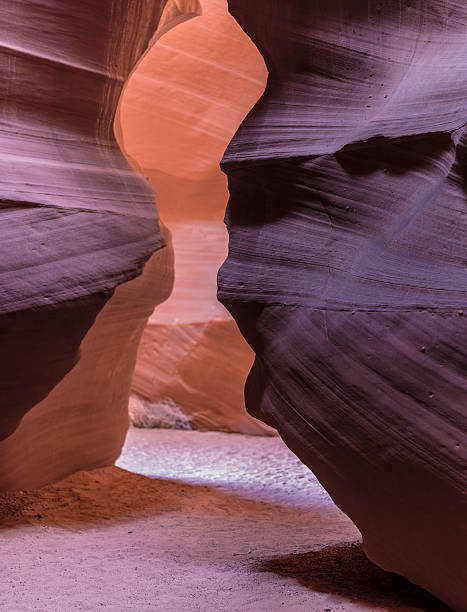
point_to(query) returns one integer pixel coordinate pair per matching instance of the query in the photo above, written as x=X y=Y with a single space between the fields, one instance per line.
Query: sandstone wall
x=77 y=223
x=346 y=267
x=179 y=111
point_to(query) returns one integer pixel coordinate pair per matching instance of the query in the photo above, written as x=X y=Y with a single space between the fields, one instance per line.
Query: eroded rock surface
x=77 y=221
x=347 y=265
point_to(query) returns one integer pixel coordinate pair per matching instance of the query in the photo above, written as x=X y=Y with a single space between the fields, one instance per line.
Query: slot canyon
x=233 y=303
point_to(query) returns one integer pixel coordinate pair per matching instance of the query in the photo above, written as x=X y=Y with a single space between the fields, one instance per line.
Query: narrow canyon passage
x=331 y=303
x=191 y=521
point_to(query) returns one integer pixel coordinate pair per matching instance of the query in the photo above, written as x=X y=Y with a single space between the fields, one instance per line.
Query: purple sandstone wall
x=77 y=222
x=347 y=264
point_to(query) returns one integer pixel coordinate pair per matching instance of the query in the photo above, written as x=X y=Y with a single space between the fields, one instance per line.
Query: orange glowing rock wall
x=180 y=109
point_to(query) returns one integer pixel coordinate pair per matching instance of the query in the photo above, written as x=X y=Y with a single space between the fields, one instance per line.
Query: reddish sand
x=210 y=522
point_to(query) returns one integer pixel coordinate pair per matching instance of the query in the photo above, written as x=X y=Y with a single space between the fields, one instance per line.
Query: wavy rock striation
x=77 y=222
x=347 y=265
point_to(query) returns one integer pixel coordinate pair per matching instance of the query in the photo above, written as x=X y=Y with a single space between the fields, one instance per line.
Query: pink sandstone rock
x=77 y=222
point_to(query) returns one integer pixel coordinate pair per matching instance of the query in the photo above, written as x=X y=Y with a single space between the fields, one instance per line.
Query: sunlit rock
x=179 y=111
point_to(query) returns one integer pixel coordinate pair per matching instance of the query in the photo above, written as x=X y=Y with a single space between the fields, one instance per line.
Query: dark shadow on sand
x=345 y=570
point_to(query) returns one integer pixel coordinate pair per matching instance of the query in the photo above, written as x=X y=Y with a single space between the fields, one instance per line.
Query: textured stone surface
x=346 y=267
x=179 y=111
x=77 y=222
x=84 y=420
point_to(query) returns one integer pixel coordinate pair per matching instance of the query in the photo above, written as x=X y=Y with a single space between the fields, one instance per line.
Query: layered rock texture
x=77 y=222
x=347 y=259
x=179 y=111
x=347 y=264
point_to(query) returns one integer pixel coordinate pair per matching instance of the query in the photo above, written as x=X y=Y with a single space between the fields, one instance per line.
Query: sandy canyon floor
x=191 y=521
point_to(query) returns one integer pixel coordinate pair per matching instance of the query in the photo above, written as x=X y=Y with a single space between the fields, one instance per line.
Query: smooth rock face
x=77 y=222
x=346 y=268
x=180 y=108
x=83 y=422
